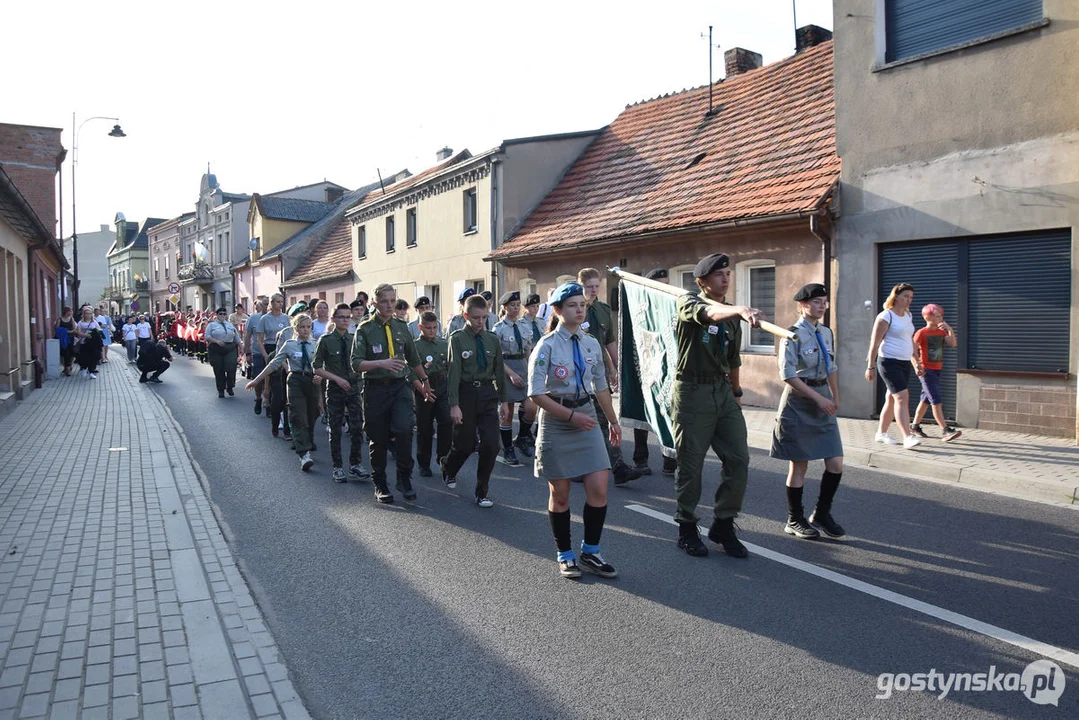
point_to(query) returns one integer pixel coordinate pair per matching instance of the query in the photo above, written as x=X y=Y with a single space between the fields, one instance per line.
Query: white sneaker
x=885 y=438
x=84 y=373
x=306 y=462
x=911 y=441
x=484 y=502
x=93 y=376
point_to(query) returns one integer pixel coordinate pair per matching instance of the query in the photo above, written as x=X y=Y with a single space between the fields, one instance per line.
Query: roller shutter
x=914 y=27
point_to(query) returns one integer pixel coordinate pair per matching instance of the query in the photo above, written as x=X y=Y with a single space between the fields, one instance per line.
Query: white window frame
x=742 y=297
x=674 y=276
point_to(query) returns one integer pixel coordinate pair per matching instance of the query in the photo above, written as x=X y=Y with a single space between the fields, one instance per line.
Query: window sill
x=1036 y=25
x=361 y=257
x=390 y=252
x=473 y=231
x=411 y=245
x=1014 y=374
x=759 y=350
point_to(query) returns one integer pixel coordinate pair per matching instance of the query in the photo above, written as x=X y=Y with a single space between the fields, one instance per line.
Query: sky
x=272 y=96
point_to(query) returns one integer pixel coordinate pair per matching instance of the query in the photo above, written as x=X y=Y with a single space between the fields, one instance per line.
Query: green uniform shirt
x=370 y=344
x=463 y=366
x=434 y=356
x=706 y=350
x=599 y=323
x=332 y=354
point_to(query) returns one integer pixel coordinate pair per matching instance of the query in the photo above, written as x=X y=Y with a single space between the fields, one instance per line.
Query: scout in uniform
x=222 y=339
x=515 y=335
x=707 y=406
x=423 y=305
x=434 y=354
x=332 y=363
x=460 y=320
x=383 y=351
x=565 y=369
x=806 y=427
x=270 y=325
x=476 y=386
x=255 y=360
x=301 y=385
x=537 y=328
x=599 y=323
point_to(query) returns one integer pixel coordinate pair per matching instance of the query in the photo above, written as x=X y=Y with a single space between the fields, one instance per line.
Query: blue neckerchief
x=578 y=362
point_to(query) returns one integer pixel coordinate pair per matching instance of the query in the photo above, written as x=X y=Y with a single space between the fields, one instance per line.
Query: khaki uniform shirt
x=802 y=357
x=551 y=370
x=504 y=331
x=706 y=350
x=599 y=323
x=290 y=353
x=370 y=343
x=434 y=356
x=332 y=354
x=463 y=366
x=225 y=332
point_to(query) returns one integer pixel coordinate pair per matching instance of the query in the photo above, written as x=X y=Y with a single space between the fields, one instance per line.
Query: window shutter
x=914 y=27
x=762 y=295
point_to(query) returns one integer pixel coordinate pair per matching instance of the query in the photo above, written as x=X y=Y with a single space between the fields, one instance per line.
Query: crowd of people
x=365 y=369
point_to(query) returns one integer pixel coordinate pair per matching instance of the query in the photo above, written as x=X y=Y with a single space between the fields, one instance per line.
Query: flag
x=200 y=252
x=649 y=352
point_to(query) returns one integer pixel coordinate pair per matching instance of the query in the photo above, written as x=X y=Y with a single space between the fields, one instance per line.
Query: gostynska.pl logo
x=1041 y=682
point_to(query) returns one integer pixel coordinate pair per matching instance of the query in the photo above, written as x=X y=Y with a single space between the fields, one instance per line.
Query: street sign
x=174 y=299
x=135 y=305
x=174 y=288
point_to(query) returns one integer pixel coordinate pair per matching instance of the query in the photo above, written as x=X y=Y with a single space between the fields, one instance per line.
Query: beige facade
x=963 y=143
x=271 y=232
x=165 y=254
x=15 y=378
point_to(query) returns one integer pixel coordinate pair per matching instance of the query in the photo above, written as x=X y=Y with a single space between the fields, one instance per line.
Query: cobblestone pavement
x=120 y=596
x=1030 y=466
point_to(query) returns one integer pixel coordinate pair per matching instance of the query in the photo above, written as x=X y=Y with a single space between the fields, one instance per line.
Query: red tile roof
x=332 y=259
x=768 y=150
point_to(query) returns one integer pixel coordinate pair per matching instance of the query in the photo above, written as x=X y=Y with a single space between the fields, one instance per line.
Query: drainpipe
x=826 y=260
x=496 y=169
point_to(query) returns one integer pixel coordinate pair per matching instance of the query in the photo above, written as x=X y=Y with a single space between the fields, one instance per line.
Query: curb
x=1026 y=488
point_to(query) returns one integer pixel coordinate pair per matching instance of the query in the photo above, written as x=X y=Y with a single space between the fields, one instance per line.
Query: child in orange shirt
x=928 y=360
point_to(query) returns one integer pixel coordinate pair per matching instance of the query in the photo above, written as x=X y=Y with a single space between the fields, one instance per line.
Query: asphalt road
x=441 y=609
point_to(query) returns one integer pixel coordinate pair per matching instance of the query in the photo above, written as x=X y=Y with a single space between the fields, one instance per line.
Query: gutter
x=496 y=170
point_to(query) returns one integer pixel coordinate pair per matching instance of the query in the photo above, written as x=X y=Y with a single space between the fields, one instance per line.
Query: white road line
x=1050 y=651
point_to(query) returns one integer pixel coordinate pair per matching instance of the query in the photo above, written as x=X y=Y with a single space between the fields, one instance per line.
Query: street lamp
x=115 y=132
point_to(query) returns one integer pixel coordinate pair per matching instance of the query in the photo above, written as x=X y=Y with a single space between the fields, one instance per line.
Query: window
x=338 y=298
x=682 y=276
x=477 y=285
x=361 y=245
x=435 y=293
x=410 y=227
x=157 y=275
x=470 y=210
x=917 y=27
x=291 y=301
x=166 y=267
x=757 y=288
x=321 y=294
x=389 y=234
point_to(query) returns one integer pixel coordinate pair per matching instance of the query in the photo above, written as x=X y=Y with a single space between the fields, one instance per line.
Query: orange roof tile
x=768 y=150
x=331 y=259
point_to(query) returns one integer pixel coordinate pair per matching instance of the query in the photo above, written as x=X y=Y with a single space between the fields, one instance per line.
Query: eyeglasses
x=342 y=317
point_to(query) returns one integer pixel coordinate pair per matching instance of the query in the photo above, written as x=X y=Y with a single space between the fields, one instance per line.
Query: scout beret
x=466 y=294
x=533 y=299
x=509 y=297
x=356 y=304
x=711 y=263
x=298 y=308
x=221 y=311
x=810 y=291
x=564 y=292
x=487 y=295
x=423 y=300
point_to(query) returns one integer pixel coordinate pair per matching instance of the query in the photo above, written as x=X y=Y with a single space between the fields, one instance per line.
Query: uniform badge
x=590 y=360
x=466 y=354
x=713 y=329
x=584 y=325
x=429 y=358
x=561 y=372
x=377 y=349
x=541 y=362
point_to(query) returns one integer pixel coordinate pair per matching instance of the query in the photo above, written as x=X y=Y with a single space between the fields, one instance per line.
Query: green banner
x=649 y=355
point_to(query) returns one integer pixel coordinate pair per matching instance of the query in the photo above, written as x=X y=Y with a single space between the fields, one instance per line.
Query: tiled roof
x=399 y=187
x=663 y=165
x=331 y=259
x=280 y=208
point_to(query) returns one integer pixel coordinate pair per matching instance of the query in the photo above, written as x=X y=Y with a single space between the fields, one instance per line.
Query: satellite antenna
x=253 y=245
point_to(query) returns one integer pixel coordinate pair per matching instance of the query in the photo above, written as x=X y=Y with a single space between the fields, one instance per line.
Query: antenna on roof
x=380 y=181
x=794 y=9
x=711 y=110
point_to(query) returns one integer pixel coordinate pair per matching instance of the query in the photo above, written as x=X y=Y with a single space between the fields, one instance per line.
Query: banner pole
x=677 y=292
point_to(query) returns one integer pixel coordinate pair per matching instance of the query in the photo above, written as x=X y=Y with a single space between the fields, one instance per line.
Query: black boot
x=690 y=540
x=796 y=521
x=382 y=491
x=404 y=484
x=822 y=515
x=722 y=533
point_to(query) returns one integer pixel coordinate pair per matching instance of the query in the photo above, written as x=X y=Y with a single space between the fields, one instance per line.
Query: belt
x=700 y=379
x=567 y=402
x=384 y=381
x=477 y=383
x=436 y=378
x=513 y=357
x=815 y=383
x=300 y=372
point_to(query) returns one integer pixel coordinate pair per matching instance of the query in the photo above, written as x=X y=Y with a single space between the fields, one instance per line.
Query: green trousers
x=707 y=416
x=302 y=396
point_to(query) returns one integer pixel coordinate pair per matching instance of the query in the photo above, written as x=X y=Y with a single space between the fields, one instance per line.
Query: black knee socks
x=829 y=483
x=560 y=529
x=507 y=437
x=525 y=429
x=593 y=523
x=794 y=501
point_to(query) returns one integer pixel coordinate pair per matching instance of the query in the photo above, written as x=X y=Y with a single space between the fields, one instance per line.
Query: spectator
x=129 y=333
x=890 y=351
x=65 y=333
x=153 y=360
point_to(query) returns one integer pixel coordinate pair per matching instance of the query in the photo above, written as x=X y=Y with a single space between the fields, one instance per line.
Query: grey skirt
x=516 y=394
x=564 y=451
x=802 y=431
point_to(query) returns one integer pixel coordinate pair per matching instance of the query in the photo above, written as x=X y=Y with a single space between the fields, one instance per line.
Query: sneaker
x=670 y=466
x=484 y=502
x=911 y=441
x=405 y=488
x=93 y=376
x=524 y=446
x=339 y=475
x=275 y=432
x=885 y=438
x=425 y=471
x=288 y=436
x=359 y=472
x=827 y=523
x=593 y=563
x=722 y=533
x=799 y=528
x=643 y=467
x=155 y=381
x=689 y=539
x=306 y=461
x=383 y=494
x=950 y=434
x=258 y=405
x=85 y=373
x=451 y=482
x=917 y=430
x=509 y=457
x=230 y=392
x=569 y=569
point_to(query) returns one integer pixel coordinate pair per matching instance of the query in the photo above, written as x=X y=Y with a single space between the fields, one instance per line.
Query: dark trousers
x=154 y=371
x=387 y=409
x=479 y=410
x=427 y=416
x=223 y=361
x=303 y=409
x=339 y=402
x=278 y=400
x=614 y=452
x=640 y=446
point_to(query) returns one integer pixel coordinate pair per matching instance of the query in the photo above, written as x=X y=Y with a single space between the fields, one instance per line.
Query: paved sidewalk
x=120 y=596
x=1030 y=466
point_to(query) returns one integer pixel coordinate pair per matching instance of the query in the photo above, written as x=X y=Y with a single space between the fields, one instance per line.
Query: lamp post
x=115 y=132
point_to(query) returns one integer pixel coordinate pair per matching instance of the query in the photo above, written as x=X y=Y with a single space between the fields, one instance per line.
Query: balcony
x=198 y=271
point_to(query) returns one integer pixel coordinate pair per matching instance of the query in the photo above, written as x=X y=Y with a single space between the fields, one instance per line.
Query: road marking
x=1050 y=651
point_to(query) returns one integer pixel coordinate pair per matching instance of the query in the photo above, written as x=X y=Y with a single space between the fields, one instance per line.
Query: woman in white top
x=130 y=335
x=890 y=352
x=105 y=323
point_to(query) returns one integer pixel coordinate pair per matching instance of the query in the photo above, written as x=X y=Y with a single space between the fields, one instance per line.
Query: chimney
x=810 y=36
x=739 y=60
x=333 y=194
x=444 y=154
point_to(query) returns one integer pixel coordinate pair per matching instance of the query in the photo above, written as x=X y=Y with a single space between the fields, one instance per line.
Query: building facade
x=129 y=267
x=164 y=247
x=960 y=153
x=93 y=264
